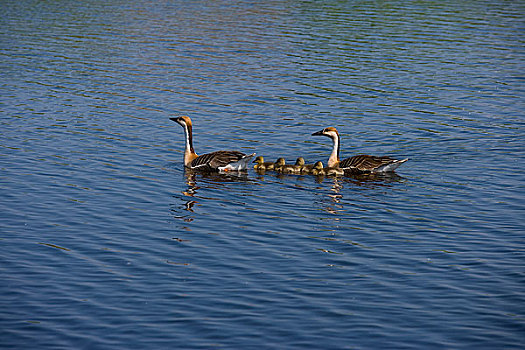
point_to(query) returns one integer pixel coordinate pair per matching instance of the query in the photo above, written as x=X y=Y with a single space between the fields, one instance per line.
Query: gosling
x=287 y=168
x=279 y=164
x=318 y=169
x=262 y=165
x=335 y=171
x=330 y=171
x=303 y=168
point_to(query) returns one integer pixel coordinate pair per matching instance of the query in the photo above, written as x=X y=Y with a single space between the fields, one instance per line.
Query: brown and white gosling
x=296 y=168
x=302 y=167
x=214 y=161
x=318 y=170
x=262 y=165
x=360 y=163
x=285 y=168
x=279 y=164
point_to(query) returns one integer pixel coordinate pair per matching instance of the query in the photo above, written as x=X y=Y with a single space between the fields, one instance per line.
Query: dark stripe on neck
x=338 y=146
x=190 y=137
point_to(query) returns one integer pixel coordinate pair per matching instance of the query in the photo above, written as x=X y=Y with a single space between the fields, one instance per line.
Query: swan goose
x=359 y=163
x=221 y=161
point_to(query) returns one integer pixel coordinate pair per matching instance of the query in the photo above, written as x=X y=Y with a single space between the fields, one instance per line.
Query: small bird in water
x=279 y=163
x=304 y=168
x=299 y=163
x=318 y=169
x=262 y=165
x=360 y=163
x=286 y=168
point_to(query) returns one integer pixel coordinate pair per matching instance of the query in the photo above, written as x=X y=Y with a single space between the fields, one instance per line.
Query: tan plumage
x=299 y=165
x=285 y=168
x=318 y=169
x=359 y=163
x=214 y=161
x=279 y=163
x=262 y=165
x=302 y=167
x=334 y=171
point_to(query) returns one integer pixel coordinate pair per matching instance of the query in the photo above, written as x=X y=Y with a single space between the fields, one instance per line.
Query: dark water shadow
x=195 y=181
x=380 y=179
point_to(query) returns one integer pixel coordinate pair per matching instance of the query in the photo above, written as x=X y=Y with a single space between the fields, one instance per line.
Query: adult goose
x=215 y=161
x=360 y=163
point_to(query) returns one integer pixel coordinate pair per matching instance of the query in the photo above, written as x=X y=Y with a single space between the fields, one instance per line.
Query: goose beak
x=318 y=133
x=178 y=120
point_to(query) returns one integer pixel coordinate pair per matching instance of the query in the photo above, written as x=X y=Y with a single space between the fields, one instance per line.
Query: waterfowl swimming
x=286 y=168
x=299 y=164
x=359 y=163
x=318 y=169
x=279 y=163
x=214 y=161
x=302 y=167
x=262 y=165
x=336 y=171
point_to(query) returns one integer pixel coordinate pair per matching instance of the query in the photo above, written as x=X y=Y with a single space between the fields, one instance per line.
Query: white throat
x=334 y=157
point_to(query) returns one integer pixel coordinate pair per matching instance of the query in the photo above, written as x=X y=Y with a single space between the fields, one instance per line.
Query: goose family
x=223 y=161
x=215 y=161
x=359 y=163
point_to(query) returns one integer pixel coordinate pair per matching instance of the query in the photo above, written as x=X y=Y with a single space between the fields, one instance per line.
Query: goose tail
x=239 y=165
x=390 y=166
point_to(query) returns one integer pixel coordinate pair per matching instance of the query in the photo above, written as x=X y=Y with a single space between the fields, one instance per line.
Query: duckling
x=318 y=169
x=302 y=167
x=361 y=163
x=262 y=165
x=284 y=168
x=299 y=163
x=335 y=170
x=279 y=163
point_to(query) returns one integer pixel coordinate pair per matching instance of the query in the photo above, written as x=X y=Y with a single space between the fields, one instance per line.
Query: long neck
x=334 y=157
x=189 y=152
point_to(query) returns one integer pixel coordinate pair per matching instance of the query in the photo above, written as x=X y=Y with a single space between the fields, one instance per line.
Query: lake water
x=108 y=244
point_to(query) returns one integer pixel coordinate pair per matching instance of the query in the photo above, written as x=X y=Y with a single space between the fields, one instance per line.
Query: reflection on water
x=214 y=177
x=356 y=179
x=207 y=186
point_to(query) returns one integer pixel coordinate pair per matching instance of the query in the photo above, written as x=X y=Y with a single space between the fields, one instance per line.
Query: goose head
x=330 y=132
x=182 y=121
x=259 y=160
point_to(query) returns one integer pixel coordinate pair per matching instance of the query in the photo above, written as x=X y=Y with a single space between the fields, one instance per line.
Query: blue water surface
x=108 y=243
